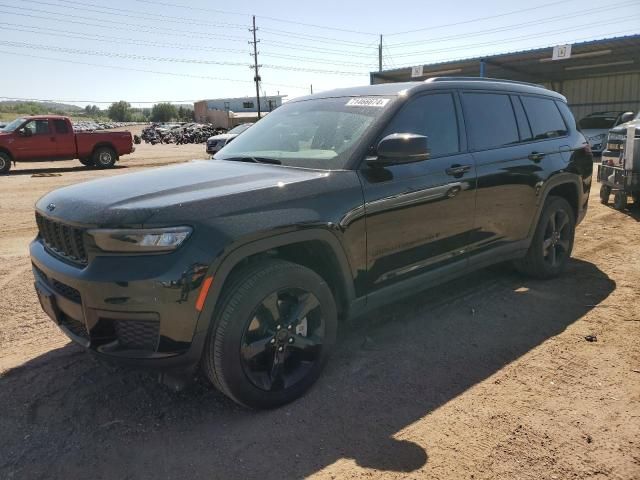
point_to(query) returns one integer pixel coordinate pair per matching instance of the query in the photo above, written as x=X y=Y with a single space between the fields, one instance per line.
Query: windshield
x=240 y=128
x=13 y=125
x=320 y=133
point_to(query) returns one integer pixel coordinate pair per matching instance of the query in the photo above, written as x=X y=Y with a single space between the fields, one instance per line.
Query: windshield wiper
x=272 y=161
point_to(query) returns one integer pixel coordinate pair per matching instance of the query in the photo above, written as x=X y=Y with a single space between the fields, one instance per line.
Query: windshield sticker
x=368 y=102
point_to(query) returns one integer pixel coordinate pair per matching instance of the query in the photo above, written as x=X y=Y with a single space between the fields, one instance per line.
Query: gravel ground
x=487 y=377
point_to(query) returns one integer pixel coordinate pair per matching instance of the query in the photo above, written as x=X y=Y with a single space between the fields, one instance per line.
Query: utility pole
x=312 y=89
x=380 y=55
x=256 y=77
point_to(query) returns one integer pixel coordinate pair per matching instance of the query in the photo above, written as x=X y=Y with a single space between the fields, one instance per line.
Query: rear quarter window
x=544 y=117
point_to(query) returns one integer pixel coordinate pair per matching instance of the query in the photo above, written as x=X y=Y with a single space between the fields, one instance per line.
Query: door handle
x=457 y=170
x=53 y=139
x=536 y=156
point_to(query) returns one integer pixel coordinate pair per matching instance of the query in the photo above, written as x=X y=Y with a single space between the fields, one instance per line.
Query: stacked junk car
x=619 y=171
x=179 y=134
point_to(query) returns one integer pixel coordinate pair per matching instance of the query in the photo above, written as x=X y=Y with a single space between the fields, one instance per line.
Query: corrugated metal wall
x=619 y=92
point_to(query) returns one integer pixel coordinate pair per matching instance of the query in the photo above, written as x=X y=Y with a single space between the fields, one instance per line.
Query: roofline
x=516 y=52
x=433 y=83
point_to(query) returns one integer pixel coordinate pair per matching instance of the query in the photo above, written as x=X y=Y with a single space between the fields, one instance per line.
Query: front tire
x=605 y=191
x=620 y=200
x=104 y=157
x=5 y=163
x=552 y=241
x=272 y=334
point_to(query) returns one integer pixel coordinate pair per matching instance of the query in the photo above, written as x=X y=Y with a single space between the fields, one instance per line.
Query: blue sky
x=88 y=51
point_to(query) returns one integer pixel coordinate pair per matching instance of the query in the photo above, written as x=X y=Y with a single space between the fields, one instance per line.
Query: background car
x=596 y=126
x=215 y=143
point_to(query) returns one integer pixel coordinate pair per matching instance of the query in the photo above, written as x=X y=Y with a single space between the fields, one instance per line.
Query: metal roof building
x=598 y=75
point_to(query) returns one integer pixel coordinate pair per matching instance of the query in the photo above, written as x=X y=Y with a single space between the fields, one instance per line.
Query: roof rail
x=478 y=79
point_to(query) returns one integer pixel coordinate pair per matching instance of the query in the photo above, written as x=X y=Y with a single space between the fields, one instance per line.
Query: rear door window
x=490 y=119
x=433 y=116
x=61 y=127
x=544 y=117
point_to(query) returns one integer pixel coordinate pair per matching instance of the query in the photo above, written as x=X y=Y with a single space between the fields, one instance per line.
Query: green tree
x=163 y=112
x=120 y=111
x=92 y=110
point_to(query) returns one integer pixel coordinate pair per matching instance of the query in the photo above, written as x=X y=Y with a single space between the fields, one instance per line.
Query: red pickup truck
x=51 y=137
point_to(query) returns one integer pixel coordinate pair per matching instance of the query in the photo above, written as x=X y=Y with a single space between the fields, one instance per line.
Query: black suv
x=330 y=206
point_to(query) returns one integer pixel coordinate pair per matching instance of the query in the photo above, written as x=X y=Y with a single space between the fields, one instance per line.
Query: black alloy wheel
x=552 y=241
x=272 y=331
x=557 y=238
x=283 y=340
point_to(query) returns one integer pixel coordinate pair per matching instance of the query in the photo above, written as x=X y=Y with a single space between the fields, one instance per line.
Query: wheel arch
x=104 y=144
x=317 y=249
x=564 y=185
x=8 y=152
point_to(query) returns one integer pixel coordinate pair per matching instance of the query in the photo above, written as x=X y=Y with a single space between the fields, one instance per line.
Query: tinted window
x=567 y=115
x=61 y=126
x=38 y=127
x=491 y=120
x=521 y=118
x=433 y=116
x=544 y=117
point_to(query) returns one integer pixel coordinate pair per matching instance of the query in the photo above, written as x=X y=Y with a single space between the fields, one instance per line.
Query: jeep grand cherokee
x=332 y=205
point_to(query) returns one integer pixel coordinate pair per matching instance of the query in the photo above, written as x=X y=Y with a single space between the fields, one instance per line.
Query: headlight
x=140 y=240
x=597 y=138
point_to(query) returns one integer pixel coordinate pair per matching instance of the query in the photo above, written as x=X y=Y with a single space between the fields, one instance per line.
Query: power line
x=178 y=46
x=511 y=39
x=18 y=99
x=539 y=46
x=479 y=19
x=138 y=13
x=168 y=59
x=187 y=20
x=515 y=26
x=180 y=33
x=274 y=19
x=143 y=70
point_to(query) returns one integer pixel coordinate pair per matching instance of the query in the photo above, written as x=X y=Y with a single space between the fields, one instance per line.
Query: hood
x=622 y=128
x=223 y=136
x=592 y=132
x=193 y=190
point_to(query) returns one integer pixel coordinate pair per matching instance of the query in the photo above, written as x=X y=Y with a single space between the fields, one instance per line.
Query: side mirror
x=400 y=148
x=627 y=117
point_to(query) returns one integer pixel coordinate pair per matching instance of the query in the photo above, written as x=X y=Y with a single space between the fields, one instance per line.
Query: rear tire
x=5 y=163
x=552 y=241
x=620 y=200
x=272 y=334
x=104 y=157
x=605 y=191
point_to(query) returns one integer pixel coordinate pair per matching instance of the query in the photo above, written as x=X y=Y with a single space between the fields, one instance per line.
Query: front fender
x=234 y=254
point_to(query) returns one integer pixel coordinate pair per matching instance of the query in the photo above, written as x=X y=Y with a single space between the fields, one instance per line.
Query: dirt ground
x=487 y=377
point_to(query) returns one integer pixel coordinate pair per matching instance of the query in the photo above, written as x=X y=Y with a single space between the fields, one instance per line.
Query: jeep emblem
x=51 y=207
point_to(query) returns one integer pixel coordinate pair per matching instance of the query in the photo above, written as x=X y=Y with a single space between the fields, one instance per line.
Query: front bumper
x=129 y=309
